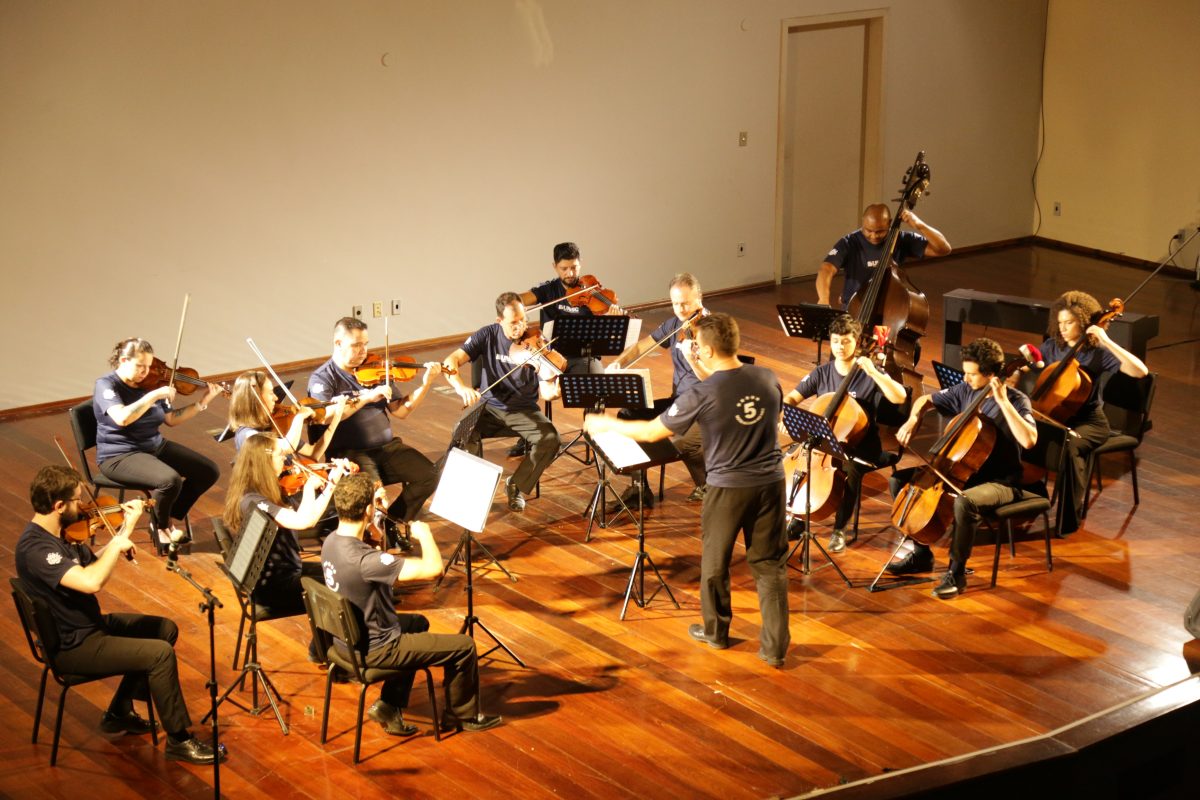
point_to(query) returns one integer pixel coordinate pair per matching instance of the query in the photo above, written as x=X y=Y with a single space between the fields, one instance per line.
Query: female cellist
x=868 y=388
x=996 y=481
x=129 y=447
x=1071 y=328
x=255 y=483
x=253 y=404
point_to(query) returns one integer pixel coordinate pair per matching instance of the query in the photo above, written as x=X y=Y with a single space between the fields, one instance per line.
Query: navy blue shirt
x=42 y=560
x=139 y=436
x=737 y=410
x=825 y=379
x=857 y=258
x=488 y=349
x=367 y=428
x=684 y=377
x=1004 y=463
x=364 y=576
x=1095 y=361
x=283 y=560
x=553 y=289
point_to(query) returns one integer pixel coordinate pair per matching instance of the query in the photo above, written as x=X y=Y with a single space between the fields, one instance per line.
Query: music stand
x=589 y=337
x=596 y=393
x=622 y=455
x=947 y=376
x=814 y=431
x=244 y=567
x=464 y=496
x=808 y=321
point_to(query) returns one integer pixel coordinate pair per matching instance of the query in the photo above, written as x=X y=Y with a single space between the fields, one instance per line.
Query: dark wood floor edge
x=1116 y=258
x=1082 y=733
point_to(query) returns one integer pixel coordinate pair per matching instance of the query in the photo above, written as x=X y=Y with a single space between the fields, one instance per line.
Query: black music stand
x=947 y=376
x=464 y=429
x=814 y=432
x=808 y=321
x=595 y=393
x=652 y=454
x=464 y=495
x=589 y=337
x=244 y=567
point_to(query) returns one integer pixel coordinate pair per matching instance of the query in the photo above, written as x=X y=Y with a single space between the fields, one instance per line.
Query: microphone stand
x=208 y=607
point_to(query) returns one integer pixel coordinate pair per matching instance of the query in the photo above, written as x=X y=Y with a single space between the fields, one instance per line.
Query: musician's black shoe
x=696 y=631
x=129 y=722
x=518 y=450
x=390 y=718
x=193 y=751
x=770 y=661
x=837 y=542
x=951 y=585
x=919 y=560
x=515 y=501
x=795 y=529
x=475 y=724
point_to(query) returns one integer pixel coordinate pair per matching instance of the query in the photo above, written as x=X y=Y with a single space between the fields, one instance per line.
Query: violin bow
x=129 y=554
x=532 y=356
x=687 y=323
x=266 y=365
x=575 y=293
x=179 y=338
x=387 y=359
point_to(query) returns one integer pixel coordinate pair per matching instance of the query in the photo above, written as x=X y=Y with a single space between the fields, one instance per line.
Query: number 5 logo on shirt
x=748 y=410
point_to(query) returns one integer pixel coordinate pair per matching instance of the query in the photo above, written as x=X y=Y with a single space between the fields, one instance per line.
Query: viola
x=1063 y=387
x=592 y=295
x=284 y=415
x=924 y=509
x=186 y=380
x=890 y=301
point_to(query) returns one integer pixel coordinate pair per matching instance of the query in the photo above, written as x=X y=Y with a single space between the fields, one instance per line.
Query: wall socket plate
x=377 y=309
x=395 y=308
x=741 y=247
x=356 y=312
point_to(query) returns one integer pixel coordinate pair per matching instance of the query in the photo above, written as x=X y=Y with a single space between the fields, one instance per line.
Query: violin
x=98 y=512
x=532 y=349
x=890 y=301
x=592 y=295
x=295 y=475
x=924 y=509
x=686 y=332
x=373 y=372
x=186 y=380
x=1063 y=387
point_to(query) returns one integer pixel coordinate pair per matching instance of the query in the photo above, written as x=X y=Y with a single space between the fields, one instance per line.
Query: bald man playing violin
x=513 y=379
x=365 y=435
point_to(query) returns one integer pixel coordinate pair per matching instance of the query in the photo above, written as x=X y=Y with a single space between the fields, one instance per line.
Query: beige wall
x=1122 y=125
x=260 y=155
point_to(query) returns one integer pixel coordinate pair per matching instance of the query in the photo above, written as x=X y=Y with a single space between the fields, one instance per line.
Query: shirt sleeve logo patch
x=673 y=410
x=749 y=410
x=54 y=559
x=387 y=559
x=318 y=387
x=109 y=394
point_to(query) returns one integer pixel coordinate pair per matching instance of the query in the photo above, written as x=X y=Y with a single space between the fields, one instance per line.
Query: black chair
x=83 y=427
x=1127 y=402
x=339 y=633
x=41 y=634
x=1035 y=500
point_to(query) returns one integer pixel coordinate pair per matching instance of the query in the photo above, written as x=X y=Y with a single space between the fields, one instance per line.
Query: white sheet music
x=635 y=330
x=621 y=450
x=465 y=490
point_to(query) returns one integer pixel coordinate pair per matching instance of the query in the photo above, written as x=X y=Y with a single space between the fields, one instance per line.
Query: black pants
x=416 y=648
x=175 y=475
x=396 y=462
x=143 y=648
x=531 y=425
x=757 y=513
x=968 y=513
x=1092 y=431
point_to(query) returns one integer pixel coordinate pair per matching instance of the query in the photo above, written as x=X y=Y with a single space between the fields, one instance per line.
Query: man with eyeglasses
x=67 y=576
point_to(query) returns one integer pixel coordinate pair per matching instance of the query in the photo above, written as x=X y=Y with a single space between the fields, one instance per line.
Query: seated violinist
x=253 y=406
x=513 y=379
x=869 y=387
x=997 y=480
x=255 y=484
x=129 y=447
x=364 y=434
x=1071 y=318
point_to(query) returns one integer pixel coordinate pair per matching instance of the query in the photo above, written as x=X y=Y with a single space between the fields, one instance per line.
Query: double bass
x=890 y=302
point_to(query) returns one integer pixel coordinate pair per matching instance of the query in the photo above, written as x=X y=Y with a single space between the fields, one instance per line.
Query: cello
x=924 y=508
x=1063 y=387
x=890 y=301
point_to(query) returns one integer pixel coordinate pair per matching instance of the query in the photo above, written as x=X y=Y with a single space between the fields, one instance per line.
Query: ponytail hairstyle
x=129 y=348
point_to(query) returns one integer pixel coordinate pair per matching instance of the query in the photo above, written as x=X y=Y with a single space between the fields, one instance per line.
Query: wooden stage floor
x=609 y=708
